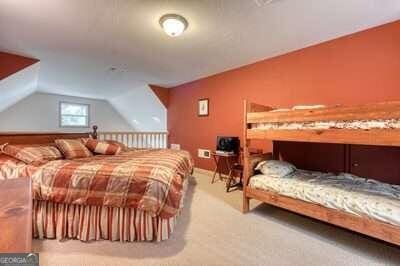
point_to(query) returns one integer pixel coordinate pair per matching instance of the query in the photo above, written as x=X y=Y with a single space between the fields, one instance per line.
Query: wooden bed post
x=246 y=143
x=248 y=160
x=94 y=133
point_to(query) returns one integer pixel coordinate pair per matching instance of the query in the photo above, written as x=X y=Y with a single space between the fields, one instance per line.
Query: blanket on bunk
x=346 y=192
x=148 y=180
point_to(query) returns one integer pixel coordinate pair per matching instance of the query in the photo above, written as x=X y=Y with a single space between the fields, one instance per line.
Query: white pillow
x=273 y=168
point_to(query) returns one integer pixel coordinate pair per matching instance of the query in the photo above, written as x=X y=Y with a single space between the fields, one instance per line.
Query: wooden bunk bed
x=255 y=113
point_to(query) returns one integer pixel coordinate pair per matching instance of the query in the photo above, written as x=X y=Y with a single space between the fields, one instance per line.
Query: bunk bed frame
x=255 y=113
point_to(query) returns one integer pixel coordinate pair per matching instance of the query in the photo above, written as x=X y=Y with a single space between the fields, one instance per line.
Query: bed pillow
x=120 y=144
x=276 y=169
x=35 y=155
x=6 y=159
x=72 y=148
x=102 y=147
x=9 y=167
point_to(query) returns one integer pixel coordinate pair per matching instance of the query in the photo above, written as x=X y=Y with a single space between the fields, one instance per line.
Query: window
x=74 y=115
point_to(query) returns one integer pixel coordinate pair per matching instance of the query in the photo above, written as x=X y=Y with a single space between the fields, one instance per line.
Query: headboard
x=41 y=137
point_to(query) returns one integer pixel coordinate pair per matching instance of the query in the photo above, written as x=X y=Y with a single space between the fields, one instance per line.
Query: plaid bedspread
x=149 y=180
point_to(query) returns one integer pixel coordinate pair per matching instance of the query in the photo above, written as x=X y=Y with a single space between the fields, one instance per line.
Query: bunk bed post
x=275 y=150
x=347 y=158
x=246 y=143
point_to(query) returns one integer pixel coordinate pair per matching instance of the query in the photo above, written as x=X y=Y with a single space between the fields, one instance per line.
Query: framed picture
x=203 y=107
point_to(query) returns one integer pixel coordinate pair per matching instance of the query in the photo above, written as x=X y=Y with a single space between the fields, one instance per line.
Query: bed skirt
x=67 y=221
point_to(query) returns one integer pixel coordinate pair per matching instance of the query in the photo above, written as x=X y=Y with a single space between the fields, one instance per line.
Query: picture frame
x=203 y=107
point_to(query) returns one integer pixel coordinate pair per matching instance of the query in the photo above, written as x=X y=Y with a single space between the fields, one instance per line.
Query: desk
x=15 y=215
x=221 y=161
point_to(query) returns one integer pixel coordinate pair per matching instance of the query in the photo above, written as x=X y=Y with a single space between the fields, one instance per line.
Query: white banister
x=144 y=140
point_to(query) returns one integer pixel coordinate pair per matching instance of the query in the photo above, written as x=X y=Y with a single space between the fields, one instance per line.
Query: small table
x=236 y=169
x=221 y=161
x=16 y=216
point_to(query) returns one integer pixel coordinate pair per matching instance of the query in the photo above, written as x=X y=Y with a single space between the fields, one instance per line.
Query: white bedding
x=356 y=195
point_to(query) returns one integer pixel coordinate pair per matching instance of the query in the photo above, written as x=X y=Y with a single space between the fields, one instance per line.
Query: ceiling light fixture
x=173 y=24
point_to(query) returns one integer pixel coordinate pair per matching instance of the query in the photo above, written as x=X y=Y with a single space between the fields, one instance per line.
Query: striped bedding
x=133 y=196
x=91 y=223
x=148 y=180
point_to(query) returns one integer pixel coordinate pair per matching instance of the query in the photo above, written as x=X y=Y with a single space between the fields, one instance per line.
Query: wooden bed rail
x=372 y=111
x=363 y=225
x=256 y=108
x=367 y=112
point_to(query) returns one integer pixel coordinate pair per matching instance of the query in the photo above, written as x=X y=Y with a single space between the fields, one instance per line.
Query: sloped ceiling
x=79 y=42
x=10 y=64
x=15 y=87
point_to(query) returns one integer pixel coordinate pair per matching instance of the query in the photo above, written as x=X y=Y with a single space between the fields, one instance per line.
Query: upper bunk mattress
x=355 y=124
x=345 y=192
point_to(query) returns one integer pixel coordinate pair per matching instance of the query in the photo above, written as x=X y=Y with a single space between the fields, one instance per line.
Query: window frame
x=60 y=115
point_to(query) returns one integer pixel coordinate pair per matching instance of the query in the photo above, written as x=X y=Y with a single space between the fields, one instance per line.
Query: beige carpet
x=212 y=231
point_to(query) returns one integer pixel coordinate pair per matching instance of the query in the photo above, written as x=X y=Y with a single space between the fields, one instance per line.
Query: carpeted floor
x=212 y=231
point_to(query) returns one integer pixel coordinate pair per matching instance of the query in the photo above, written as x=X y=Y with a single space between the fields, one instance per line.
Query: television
x=228 y=145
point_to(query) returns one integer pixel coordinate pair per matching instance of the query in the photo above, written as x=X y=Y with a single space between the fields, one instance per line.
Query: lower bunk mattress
x=345 y=192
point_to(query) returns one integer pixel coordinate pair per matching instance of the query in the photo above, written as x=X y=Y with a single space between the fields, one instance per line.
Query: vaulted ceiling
x=79 y=42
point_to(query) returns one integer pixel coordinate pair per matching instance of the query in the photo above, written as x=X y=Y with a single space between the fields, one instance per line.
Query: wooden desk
x=15 y=216
x=221 y=161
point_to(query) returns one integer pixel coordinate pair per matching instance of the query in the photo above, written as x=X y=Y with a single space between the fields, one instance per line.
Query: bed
x=343 y=199
x=136 y=195
x=344 y=192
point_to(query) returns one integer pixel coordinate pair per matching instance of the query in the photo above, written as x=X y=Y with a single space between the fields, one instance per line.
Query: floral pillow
x=273 y=168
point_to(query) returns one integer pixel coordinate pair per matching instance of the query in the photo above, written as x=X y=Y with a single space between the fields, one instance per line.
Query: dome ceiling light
x=173 y=24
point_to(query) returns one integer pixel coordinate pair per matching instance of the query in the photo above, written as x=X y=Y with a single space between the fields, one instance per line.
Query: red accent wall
x=359 y=68
x=10 y=64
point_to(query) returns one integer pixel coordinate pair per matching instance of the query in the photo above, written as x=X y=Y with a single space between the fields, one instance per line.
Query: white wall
x=40 y=112
x=142 y=109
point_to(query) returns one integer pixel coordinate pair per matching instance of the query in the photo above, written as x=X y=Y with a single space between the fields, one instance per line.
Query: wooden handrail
x=133 y=132
x=135 y=139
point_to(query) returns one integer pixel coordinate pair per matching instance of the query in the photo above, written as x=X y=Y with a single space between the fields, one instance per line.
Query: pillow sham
x=72 y=148
x=35 y=155
x=277 y=169
x=10 y=167
x=120 y=144
x=6 y=159
x=102 y=147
